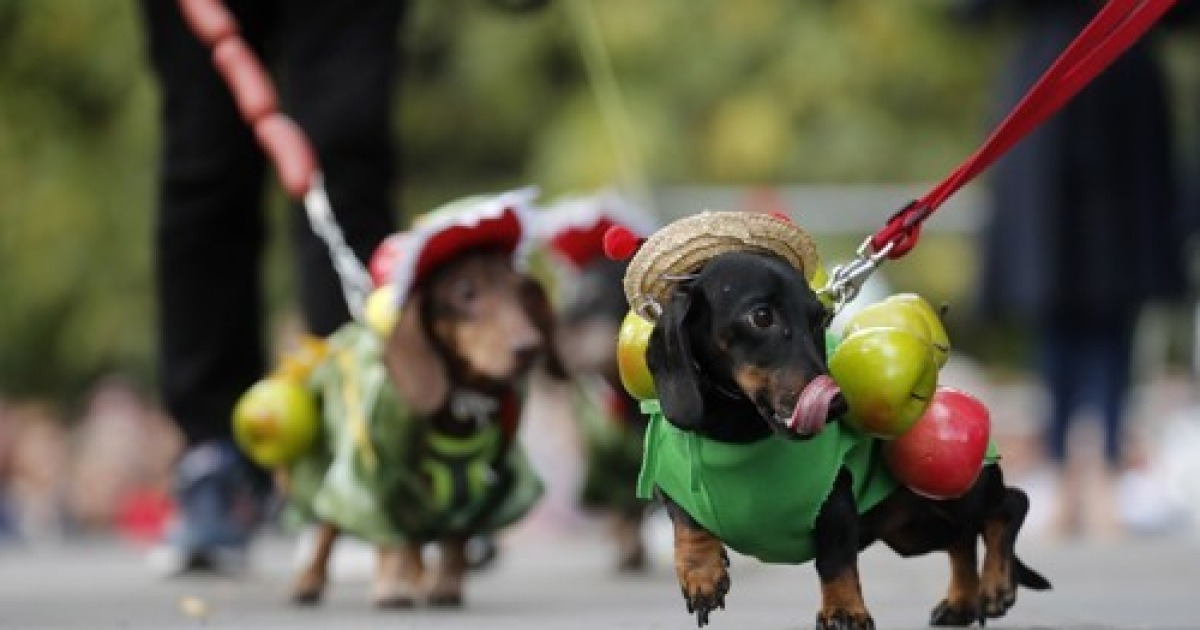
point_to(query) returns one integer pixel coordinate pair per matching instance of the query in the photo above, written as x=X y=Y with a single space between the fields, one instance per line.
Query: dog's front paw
x=308 y=589
x=997 y=594
x=704 y=583
x=960 y=614
x=842 y=619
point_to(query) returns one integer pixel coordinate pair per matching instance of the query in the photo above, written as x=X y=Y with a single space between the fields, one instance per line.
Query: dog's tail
x=1028 y=577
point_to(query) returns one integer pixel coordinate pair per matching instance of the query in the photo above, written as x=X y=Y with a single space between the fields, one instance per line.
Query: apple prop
x=631 y=357
x=818 y=281
x=887 y=376
x=942 y=454
x=889 y=315
x=937 y=330
x=382 y=309
x=275 y=421
x=907 y=311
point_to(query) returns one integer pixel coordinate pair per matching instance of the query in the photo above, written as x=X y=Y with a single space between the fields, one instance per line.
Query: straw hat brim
x=684 y=246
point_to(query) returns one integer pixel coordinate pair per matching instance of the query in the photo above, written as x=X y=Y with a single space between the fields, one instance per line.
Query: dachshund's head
x=747 y=326
x=473 y=322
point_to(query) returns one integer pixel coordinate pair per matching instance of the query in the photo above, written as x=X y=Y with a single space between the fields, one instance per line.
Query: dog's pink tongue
x=812 y=408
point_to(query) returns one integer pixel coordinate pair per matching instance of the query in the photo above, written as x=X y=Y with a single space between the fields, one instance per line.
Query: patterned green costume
x=613 y=432
x=385 y=476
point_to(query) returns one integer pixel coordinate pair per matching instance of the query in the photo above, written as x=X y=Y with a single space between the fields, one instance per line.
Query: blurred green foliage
x=717 y=92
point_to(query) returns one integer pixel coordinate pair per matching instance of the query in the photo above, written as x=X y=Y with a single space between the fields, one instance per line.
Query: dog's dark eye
x=762 y=317
x=465 y=291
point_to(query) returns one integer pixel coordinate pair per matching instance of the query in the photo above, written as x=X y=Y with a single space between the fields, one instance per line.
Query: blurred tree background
x=732 y=93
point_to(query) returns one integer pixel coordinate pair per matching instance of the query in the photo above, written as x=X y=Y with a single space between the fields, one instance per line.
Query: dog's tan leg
x=842 y=604
x=310 y=584
x=962 y=604
x=398 y=574
x=702 y=567
x=447 y=588
x=998 y=590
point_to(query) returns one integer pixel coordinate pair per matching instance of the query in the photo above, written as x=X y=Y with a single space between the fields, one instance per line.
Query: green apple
x=818 y=281
x=887 y=376
x=631 y=356
x=937 y=330
x=275 y=421
x=889 y=315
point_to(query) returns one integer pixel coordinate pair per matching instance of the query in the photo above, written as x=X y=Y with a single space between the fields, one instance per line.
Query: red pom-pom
x=781 y=215
x=384 y=259
x=620 y=243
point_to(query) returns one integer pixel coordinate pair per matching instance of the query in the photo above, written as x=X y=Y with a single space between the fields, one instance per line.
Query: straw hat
x=682 y=247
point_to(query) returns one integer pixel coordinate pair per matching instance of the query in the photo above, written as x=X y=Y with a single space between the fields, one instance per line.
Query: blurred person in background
x=1083 y=232
x=336 y=66
x=34 y=457
x=123 y=450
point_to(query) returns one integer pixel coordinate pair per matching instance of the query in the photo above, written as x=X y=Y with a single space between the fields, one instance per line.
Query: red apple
x=942 y=454
x=631 y=356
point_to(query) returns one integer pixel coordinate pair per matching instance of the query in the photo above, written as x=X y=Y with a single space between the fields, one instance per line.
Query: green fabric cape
x=381 y=474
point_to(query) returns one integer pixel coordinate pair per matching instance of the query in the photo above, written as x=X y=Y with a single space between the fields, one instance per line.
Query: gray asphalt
x=566 y=583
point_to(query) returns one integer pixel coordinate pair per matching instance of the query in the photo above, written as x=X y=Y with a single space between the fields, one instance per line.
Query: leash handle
x=283 y=141
x=1110 y=33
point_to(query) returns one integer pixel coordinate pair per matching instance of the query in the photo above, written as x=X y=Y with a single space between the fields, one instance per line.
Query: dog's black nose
x=524 y=357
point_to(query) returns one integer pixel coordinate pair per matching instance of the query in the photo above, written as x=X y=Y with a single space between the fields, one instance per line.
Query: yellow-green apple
x=942 y=454
x=818 y=281
x=886 y=314
x=937 y=329
x=382 y=310
x=632 y=338
x=887 y=376
x=275 y=421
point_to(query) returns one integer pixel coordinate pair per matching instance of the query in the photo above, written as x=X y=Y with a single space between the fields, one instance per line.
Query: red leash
x=1111 y=32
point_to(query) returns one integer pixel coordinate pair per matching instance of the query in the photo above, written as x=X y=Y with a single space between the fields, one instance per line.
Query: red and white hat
x=574 y=228
x=500 y=221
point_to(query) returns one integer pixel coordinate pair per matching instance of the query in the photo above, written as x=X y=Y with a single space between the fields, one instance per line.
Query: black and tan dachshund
x=734 y=348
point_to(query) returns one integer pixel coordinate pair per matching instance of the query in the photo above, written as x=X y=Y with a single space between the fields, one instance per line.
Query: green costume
x=762 y=498
x=386 y=476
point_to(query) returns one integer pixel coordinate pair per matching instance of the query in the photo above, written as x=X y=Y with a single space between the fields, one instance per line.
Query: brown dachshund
x=467 y=336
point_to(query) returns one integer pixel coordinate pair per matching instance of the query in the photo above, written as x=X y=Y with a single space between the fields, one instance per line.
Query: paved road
x=556 y=583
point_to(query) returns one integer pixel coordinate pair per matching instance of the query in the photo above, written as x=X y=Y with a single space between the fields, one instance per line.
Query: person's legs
x=1109 y=385
x=1106 y=373
x=1060 y=363
x=208 y=241
x=339 y=62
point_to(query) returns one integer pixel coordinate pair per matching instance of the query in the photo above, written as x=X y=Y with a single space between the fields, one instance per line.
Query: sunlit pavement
x=566 y=582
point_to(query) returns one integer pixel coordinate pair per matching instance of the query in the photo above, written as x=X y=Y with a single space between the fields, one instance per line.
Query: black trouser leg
x=208 y=233
x=339 y=64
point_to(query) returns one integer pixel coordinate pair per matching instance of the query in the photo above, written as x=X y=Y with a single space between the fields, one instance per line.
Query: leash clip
x=847 y=279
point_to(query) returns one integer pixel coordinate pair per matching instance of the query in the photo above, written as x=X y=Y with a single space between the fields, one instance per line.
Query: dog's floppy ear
x=669 y=356
x=414 y=364
x=541 y=314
